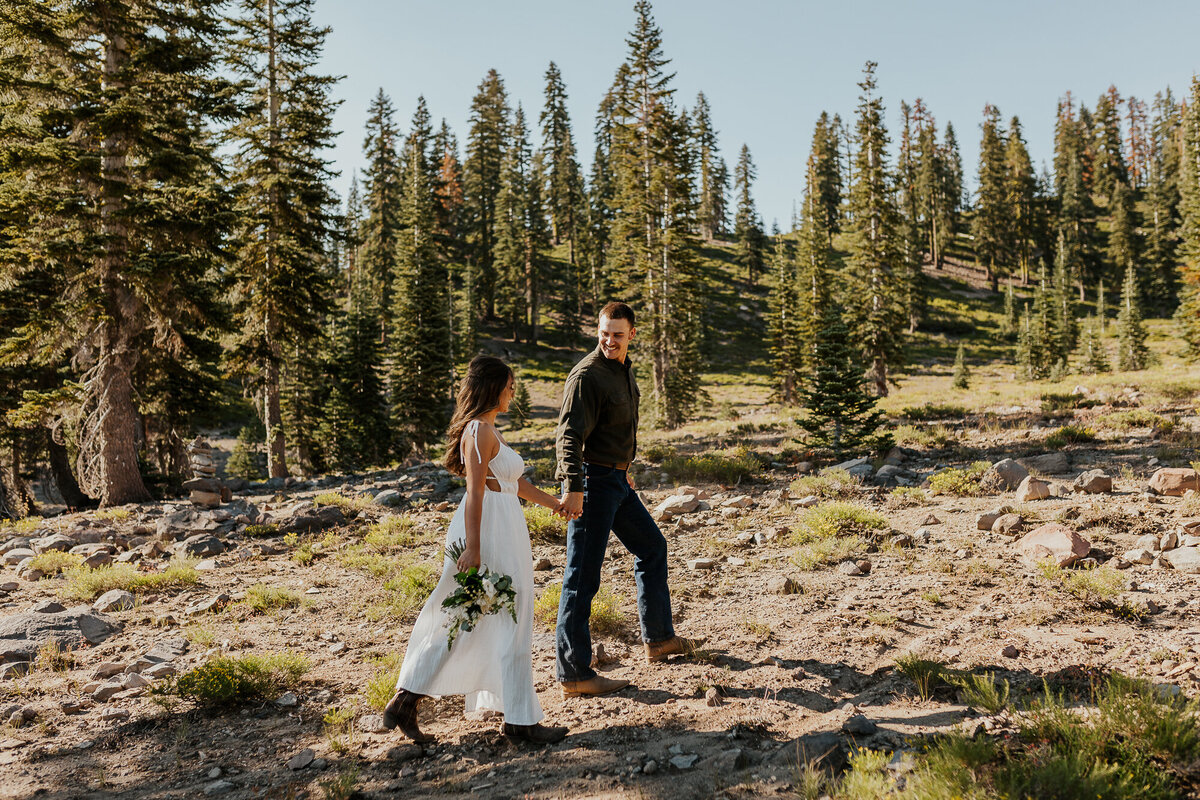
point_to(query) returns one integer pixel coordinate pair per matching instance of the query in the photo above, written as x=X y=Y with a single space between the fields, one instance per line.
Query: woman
x=491 y=664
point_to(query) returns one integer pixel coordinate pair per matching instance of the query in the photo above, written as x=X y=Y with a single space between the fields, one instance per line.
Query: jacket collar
x=608 y=362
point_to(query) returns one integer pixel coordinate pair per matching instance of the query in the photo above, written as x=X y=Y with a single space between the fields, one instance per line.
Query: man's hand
x=572 y=505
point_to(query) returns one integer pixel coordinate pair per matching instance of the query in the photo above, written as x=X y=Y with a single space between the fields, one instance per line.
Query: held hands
x=571 y=506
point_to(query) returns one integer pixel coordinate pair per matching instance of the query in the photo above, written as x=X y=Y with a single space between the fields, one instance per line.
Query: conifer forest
x=852 y=423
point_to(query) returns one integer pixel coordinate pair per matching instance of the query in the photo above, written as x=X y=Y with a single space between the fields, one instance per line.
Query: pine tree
x=934 y=196
x=1188 y=313
x=747 y=226
x=955 y=189
x=1020 y=189
x=651 y=255
x=786 y=345
x=1161 y=221
x=486 y=139
x=841 y=412
x=993 y=222
x=283 y=200
x=521 y=408
x=381 y=192
x=911 y=238
x=1109 y=168
x=1122 y=236
x=711 y=183
x=826 y=174
x=421 y=359
x=1132 y=352
x=246 y=461
x=521 y=237
x=962 y=374
x=875 y=277
x=1062 y=308
x=109 y=187
x=1093 y=357
x=566 y=205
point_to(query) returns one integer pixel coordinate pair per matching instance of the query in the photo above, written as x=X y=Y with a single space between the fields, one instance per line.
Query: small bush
x=926 y=675
x=1069 y=434
x=53 y=562
x=606 y=618
x=22 y=527
x=84 y=583
x=829 y=484
x=348 y=505
x=543 y=525
x=1137 y=418
x=959 y=482
x=114 y=514
x=933 y=411
x=541 y=469
x=260 y=531
x=836 y=519
x=392 y=531
x=736 y=467
x=656 y=453
x=304 y=554
x=262 y=598
x=1095 y=587
x=231 y=681
x=982 y=691
x=406 y=591
x=1054 y=402
x=932 y=437
x=382 y=683
x=907 y=497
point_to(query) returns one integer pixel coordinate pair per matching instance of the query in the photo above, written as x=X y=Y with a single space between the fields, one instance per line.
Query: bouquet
x=480 y=592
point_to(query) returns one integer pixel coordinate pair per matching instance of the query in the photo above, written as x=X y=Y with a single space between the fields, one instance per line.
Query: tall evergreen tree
x=936 y=198
x=1093 y=357
x=521 y=236
x=421 y=359
x=993 y=222
x=651 y=255
x=1109 y=161
x=911 y=238
x=109 y=187
x=826 y=174
x=1132 y=352
x=1123 y=245
x=1020 y=188
x=874 y=277
x=1188 y=313
x=711 y=184
x=747 y=225
x=1161 y=220
x=565 y=202
x=955 y=188
x=489 y=129
x=381 y=192
x=283 y=200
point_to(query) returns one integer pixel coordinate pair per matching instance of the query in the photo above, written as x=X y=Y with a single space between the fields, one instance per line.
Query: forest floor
x=800 y=655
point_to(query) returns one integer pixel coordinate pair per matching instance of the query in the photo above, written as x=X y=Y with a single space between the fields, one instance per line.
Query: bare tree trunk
x=120 y=479
x=879 y=376
x=273 y=420
x=60 y=466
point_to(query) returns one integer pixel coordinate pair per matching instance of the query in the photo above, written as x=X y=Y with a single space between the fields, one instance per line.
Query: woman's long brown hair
x=478 y=393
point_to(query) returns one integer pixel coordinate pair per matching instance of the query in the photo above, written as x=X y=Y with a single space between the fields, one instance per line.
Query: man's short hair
x=618 y=310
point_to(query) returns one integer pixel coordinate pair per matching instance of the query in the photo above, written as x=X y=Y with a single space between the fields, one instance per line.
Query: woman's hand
x=468 y=560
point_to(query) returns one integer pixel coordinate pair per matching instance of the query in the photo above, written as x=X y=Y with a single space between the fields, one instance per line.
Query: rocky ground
x=799 y=662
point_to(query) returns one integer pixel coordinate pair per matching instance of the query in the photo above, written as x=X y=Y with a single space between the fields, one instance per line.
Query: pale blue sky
x=768 y=68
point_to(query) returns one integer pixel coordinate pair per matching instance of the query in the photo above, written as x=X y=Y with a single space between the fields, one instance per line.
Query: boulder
x=1173 y=482
x=1183 y=559
x=823 y=750
x=987 y=519
x=17 y=555
x=1032 y=489
x=783 y=584
x=389 y=498
x=208 y=485
x=1008 y=524
x=1005 y=474
x=741 y=501
x=1139 y=556
x=22 y=635
x=1054 y=541
x=858 y=467
x=113 y=600
x=890 y=475
x=1148 y=541
x=205 y=499
x=677 y=504
x=55 y=541
x=1047 y=463
x=200 y=544
x=849 y=568
x=1094 y=481
x=1168 y=541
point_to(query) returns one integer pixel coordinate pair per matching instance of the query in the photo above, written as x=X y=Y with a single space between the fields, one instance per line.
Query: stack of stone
x=205 y=489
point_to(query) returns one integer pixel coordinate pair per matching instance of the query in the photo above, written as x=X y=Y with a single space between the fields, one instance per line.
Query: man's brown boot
x=676 y=645
x=592 y=687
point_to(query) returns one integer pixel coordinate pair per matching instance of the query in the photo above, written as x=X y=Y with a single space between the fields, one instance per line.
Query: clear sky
x=767 y=68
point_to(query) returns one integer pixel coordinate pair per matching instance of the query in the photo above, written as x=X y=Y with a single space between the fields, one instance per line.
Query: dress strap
x=473 y=429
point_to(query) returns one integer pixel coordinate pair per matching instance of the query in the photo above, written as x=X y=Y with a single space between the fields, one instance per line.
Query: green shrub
x=832 y=532
x=231 y=681
x=22 y=527
x=1094 y=587
x=1069 y=434
x=982 y=691
x=925 y=674
x=391 y=532
x=262 y=598
x=933 y=437
x=933 y=411
x=85 y=583
x=1054 y=402
x=382 y=683
x=742 y=464
x=53 y=562
x=259 y=531
x=907 y=496
x=406 y=591
x=348 y=505
x=606 y=618
x=114 y=514
x=1137 y=418
x=959 y=482
x=828 y=484
x=543 y=525
x=656 y=453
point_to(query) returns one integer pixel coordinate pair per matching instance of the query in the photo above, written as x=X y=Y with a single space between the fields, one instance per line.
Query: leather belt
x=622 y=466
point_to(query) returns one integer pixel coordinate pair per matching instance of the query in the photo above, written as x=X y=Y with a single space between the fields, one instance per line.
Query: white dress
x=492 y=665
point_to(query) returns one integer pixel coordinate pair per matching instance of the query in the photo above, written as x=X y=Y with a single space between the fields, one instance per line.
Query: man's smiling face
x=615 y=336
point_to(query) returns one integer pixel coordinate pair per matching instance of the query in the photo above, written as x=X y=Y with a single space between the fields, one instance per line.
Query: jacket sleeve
x=580 y=409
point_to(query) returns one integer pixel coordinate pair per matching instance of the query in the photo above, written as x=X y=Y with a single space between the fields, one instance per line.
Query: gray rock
x=210 y=604
x=542 y=565
x=218 y=787
x=741 y=501
x=1005 y=474
x=388 y=498
x=677 y=504
x=1168 y=541
x=650 y=767
x=824 y=750
x=164 y=670
x=371 y=723
x=1094 y=481
x=849 y=568
x=700 y=564
x=107 y=670
x=106 y=690
x=783 y=584
x=166 y=650
x=686 y=761
x=1183 y=559
x=858 y=467
x=114 y=600
x=22 y=635
x=1008 y=524
x=286 y=700
x=114 y=714
x=17 y=555
x=48 y=607
x=987 y=519
x=302 y=759
x=889 y=475
x=56 y=541
x=200 y=544
x=1139 y=556
x=859 y=725
x=1047 y=463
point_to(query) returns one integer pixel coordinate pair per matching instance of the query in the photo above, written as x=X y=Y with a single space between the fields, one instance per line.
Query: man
x=596 y=440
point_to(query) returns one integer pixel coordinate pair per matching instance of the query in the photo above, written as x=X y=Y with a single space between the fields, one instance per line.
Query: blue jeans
x=609 y=504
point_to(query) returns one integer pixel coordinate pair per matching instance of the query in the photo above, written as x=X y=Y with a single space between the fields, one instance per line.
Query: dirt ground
x=785 y=666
